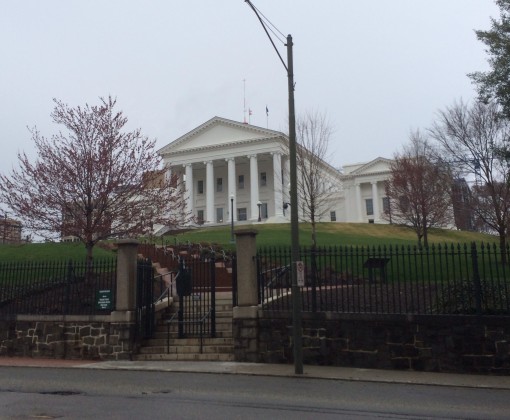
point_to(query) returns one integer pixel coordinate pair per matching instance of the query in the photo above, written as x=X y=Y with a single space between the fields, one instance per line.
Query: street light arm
x=267 y=33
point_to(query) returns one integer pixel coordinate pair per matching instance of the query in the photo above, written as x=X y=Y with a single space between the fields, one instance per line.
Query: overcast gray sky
x=378 y=68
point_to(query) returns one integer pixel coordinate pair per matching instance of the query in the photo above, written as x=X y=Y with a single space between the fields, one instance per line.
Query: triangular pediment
x=216 y=132
x=377 y=165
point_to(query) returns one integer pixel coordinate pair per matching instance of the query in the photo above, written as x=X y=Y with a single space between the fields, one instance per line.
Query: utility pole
x=294 y=222
x=297 y=338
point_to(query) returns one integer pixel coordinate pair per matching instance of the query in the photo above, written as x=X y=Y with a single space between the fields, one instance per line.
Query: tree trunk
x=89 y=264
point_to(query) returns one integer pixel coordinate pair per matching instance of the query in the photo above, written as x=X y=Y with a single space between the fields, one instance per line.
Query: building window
x=219 y=215
x=369 y=204
x=200 y=187
x=240 y=182
x=332 y=216
x=386 y=205
x=263 y=179
x=241 y=214
x=200 y=217
x=219 y=184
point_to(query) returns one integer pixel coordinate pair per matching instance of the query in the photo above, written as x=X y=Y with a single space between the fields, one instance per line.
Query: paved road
x=30 y=393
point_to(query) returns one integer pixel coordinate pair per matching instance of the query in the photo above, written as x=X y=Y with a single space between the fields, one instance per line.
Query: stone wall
x=421 y=343
x=67 y=337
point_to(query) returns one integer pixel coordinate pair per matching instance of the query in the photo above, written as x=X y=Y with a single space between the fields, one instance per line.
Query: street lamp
x=297 y=336
x=232 y=218
x=258 y=205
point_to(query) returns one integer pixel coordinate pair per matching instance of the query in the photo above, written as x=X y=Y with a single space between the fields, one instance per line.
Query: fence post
x=476 y=279
x=213 y=296
x=245 y=314
x=123 y=319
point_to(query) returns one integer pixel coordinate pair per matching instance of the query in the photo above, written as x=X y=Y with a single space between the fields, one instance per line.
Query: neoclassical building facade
x=236 y=171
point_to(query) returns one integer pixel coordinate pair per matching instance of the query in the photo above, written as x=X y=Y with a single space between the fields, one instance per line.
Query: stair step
x=160 y=335
x=213 y=357
x=187 y=349
x=191 y=341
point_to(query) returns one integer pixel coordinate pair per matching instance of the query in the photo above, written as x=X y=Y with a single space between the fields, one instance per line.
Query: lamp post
x=232 y=218
x=258 y=205
x=297 y=337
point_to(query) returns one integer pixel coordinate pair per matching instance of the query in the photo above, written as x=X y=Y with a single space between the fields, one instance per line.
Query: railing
x=441 y=279
x=201 y=322
x=58 y=288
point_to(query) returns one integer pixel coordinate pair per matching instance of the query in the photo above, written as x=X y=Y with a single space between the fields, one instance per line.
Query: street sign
x=300 y=269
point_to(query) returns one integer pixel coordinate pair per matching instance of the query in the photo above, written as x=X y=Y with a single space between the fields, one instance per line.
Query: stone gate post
x=245 y=322
x=123 y=319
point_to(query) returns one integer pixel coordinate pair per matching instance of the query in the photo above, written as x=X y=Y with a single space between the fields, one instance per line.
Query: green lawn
x=329 y=234
x=48 y=251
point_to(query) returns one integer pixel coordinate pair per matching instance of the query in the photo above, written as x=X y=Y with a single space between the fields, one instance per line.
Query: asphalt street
x=76 y=393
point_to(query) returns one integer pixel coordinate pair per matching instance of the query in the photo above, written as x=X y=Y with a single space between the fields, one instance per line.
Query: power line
x=267 y=33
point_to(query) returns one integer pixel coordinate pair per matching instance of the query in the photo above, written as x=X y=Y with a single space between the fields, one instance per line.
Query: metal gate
x=145 y=299
x=196 y=288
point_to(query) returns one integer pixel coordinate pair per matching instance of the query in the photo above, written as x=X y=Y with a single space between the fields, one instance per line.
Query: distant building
x=224 y=164
x=10 y=231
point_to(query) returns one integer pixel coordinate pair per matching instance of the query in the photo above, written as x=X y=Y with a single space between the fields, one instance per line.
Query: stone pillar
x=375 y=201
x=123 y=319
x=254 y=188
x=209 y=192
x=359 y=206
x=277 y=181
x=127 y=258
x=189 y=187
x=245 y=315
x=232 y=190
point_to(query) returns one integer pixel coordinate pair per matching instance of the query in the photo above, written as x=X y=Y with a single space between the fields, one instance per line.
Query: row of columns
x=375 y=201
x=279 y=195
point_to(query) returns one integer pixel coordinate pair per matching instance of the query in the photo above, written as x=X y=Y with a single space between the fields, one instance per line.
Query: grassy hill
x=329 y=234
x=48 y=251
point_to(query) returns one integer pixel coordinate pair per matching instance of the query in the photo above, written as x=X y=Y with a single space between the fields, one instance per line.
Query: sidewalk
x=317 y=372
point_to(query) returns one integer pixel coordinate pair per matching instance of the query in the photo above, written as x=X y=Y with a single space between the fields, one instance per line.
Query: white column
x=188 y=171
x=285 y=181
x=254 y=187
x=277 y=181
x=359 y=205
x=232 y=187
x=209 y=192
x=168 y=173
x=375 y=201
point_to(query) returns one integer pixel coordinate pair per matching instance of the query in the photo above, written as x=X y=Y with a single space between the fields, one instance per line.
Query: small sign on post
x=300 y=270
x=104 y=299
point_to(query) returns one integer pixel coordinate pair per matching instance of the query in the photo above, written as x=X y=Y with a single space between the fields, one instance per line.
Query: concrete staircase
x=169 y=347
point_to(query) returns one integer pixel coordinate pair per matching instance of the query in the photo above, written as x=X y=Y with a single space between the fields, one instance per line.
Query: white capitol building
x=224 y=164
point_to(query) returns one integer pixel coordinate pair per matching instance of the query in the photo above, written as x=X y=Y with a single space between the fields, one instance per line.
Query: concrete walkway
x=316 y=372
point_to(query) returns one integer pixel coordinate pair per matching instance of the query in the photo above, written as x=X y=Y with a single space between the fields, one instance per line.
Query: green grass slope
x=329 y=234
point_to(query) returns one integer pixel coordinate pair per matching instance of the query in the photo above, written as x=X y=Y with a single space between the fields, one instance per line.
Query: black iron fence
x=57 y=288
x=440 y=279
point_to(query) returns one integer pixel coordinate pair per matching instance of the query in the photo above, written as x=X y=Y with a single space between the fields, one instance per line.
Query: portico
x=223 y=159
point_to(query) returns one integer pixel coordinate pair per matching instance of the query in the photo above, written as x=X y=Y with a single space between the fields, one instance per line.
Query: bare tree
x=317 y=180
x=92 y=182
x=419 y=189
x=475 y=138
